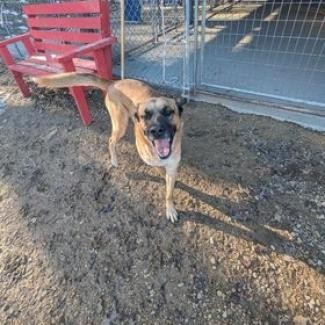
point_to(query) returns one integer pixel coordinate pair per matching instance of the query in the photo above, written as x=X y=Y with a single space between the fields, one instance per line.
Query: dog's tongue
x=162 y=146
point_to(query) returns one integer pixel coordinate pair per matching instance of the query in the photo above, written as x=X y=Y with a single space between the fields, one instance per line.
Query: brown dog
x=157 y=121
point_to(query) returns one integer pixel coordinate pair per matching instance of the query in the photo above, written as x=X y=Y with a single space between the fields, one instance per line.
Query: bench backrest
x=61 y=27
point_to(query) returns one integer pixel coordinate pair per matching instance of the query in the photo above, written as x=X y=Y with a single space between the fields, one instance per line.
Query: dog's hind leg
x=119 y=119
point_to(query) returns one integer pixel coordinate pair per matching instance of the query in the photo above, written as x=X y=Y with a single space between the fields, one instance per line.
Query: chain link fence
x=266 y=49
x=153 y=40
x=12 y=22
x=270 y=48
x=153 y=37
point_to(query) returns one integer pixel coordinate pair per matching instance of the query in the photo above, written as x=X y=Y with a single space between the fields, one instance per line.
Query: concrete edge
x=309 y=121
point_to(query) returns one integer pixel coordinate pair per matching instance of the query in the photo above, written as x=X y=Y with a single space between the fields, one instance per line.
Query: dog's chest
x=147 y=156
x=153 y=162
x=159 y=162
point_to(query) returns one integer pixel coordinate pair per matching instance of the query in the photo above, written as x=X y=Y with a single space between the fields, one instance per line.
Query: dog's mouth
x=163 y=147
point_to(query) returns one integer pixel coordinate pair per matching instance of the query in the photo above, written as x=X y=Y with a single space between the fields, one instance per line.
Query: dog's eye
x=167 y=112
x=147 y=115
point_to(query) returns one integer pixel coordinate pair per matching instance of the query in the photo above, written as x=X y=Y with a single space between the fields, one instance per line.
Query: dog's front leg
x=171 y=212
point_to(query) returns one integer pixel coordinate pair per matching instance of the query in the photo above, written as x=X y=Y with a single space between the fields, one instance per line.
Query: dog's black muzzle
x=161 y=135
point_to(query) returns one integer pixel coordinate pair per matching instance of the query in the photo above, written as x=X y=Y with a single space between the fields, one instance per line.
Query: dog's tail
x=69 y=79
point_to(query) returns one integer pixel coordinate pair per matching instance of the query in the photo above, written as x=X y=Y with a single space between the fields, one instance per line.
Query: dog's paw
x=171 y=214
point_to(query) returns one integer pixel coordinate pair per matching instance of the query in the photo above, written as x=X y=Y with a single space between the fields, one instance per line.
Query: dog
x=158 y=124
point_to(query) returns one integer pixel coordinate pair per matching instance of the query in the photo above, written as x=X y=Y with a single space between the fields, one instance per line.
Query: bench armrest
x=15 y=39
x=82 y=50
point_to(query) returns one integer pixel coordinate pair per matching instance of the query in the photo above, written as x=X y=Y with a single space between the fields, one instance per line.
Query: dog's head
x=160 y=120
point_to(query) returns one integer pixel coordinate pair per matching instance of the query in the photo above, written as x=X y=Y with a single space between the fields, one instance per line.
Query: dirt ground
x=83 y=243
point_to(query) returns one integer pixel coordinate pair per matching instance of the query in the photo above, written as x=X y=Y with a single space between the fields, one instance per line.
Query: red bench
x=64 y=37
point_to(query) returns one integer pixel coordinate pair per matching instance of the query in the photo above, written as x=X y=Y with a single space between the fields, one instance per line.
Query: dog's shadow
x=252 y=230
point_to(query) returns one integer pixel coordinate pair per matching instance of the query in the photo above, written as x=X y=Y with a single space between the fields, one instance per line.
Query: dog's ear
x=136 y=114
x=180 y=102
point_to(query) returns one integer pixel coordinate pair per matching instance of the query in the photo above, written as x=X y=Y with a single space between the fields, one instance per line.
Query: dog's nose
x=157 y=131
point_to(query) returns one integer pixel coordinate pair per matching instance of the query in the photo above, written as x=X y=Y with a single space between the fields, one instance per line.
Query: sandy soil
x=83 y=243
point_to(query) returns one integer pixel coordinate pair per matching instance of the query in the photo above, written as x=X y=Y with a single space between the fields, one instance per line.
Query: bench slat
x=33 y=70
x=75 y=7
x=85 y=64
x=41 y=64
x=54 y=47
x=78 y=62
x=66 y=36
x=72 y=22
x=36 y=69
x=42 y=60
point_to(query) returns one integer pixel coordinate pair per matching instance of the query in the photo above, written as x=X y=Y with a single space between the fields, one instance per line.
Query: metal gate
x=264 y=50
x=271 y=50
x=152 y=40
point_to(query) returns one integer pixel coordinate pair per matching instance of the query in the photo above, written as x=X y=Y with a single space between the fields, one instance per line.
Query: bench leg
x=21 y=83
x=103 y=61
x=79 y=96
x=80 y=99
x=8 y=60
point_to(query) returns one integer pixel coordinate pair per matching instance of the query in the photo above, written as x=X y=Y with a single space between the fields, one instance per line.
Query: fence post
x=195 y=70
x=122 y=8
x=186 y=61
